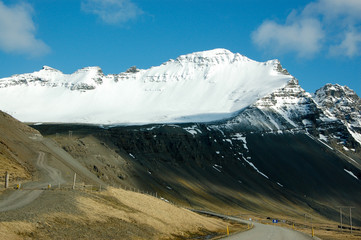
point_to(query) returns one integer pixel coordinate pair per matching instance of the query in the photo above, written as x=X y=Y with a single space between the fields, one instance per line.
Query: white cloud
x=112 y=11
x=335 y=9
x=350 y=45
x=303 y=37
x=332 y=25
x=18 y=31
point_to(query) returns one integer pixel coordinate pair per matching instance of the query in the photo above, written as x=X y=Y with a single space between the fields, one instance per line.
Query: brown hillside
x=15 y=139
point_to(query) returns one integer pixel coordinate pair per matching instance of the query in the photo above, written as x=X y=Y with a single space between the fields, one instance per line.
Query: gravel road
x=31 y=191
x=48 y=175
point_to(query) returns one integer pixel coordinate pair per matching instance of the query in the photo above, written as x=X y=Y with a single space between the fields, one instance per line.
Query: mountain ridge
x=201 y=86
x=209 y=86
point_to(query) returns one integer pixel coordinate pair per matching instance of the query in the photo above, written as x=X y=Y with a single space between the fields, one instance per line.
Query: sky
x=318 y=41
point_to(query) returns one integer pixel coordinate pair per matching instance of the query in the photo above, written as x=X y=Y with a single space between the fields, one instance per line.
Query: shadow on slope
x=202 y=167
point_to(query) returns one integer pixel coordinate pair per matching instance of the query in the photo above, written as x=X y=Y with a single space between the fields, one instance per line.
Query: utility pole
x=350 y=207
x=350 y=219
x=341 y=217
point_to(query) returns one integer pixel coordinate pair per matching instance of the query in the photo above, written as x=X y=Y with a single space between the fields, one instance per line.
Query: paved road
x=261 y=231
x=32 y=190
x=269 y=232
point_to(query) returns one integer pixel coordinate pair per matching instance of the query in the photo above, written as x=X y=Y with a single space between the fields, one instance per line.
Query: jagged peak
x=46 y=68
x=90 y=69
x=218 y=55
x=335 y=90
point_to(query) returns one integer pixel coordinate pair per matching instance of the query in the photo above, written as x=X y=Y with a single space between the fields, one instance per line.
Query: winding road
x=261 y=231
x=268 y=232
x=32 y=190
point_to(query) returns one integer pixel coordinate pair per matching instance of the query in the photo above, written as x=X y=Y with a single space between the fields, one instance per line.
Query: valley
x=178 y=151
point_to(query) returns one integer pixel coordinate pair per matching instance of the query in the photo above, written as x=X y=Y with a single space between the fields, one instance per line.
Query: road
x=261 y=231
x=269 y=232
x=32 y=190
x=70 y=162
x=47 y=175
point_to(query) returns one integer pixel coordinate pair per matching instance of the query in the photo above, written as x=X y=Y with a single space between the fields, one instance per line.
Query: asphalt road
x=261 y=231
x=269 y=232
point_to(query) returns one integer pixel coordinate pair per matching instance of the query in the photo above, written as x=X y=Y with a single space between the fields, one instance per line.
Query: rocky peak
x=215 y=56
x=47 y=68
x=342 y=102
x=335 y=95
x=280 y=69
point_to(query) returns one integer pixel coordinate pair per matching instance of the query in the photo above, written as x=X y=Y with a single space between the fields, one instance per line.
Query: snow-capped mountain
x=289 y=107
x=201 y=86
x=332 y=114
x=198 y=87
x=342 y=103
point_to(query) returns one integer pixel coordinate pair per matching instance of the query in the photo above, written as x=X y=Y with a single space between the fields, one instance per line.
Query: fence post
x=74 y=180
x=6 y=179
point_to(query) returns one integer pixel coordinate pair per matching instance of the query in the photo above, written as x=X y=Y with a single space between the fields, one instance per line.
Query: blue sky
x=317 y=41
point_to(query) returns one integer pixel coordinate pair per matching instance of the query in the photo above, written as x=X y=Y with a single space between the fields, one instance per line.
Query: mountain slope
x=61 y=213
x=16 y=139
x=201 y=86
x=218 y=167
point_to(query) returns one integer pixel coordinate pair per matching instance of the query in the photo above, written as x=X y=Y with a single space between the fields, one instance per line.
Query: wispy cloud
x=112 y=11
x=18 y=31
x=304 y=37
x=350 y=45
x=330 y=25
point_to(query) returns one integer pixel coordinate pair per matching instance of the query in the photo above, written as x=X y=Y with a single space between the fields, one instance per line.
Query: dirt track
x=31 y=191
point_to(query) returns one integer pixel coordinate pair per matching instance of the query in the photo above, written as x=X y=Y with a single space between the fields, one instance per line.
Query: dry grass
x=165 y=219
x=16 y=230
x=111 y=214
x=15 y=170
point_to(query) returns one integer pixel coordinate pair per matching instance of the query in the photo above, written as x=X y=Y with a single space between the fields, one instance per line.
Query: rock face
x=344 y=104
x=332 y=115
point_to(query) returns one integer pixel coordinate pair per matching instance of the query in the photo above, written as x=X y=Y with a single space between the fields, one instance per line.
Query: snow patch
x=323 y=138
x=255 y=168
x=216 y=167
x=194 y=130
x=240 y=137
x=351 y=173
